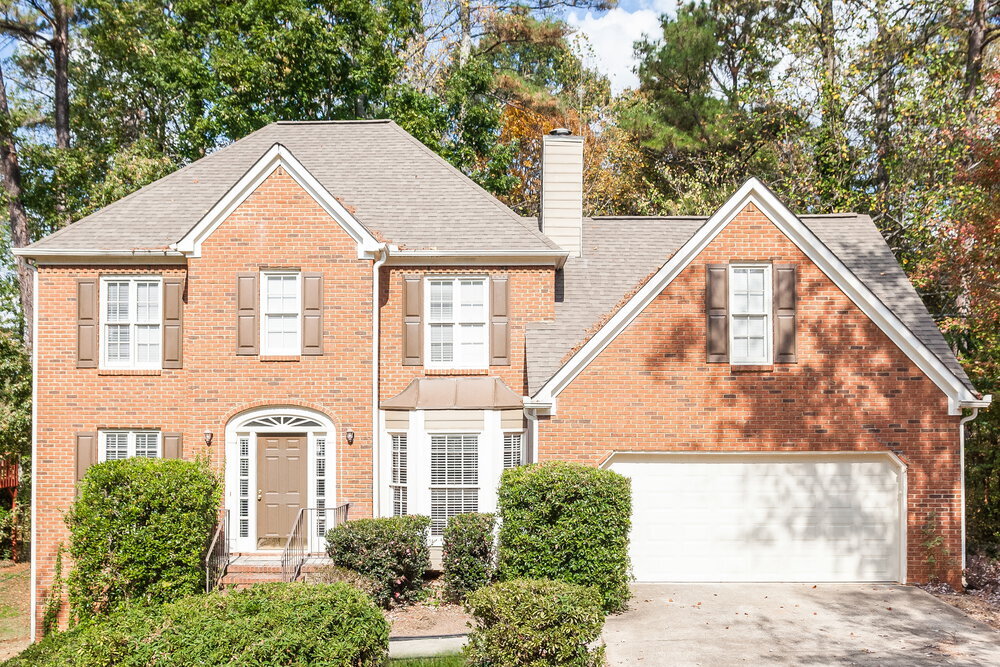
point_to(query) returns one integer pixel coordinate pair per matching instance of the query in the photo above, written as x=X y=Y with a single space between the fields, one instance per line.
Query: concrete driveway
x=795 y=624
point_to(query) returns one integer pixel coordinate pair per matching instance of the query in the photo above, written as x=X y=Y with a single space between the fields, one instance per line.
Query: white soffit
x=755 y=192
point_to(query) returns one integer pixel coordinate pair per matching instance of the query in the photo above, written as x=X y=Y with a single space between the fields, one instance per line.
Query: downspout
x=961 y=454
x=381 y=255
x=34 y=454
x=532 y=415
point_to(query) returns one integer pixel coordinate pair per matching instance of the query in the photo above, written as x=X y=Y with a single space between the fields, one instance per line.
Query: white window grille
x=131 y=322
x=281 y=307
x=244 y=483
x=454 y=478
x=456 y=319
x=320 y=486
x=750 y=314
x=513 y=450
x=399 y=474
x=118 y=445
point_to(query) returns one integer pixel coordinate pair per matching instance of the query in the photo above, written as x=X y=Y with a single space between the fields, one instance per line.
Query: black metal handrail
x=217 y=557
x=301 y=543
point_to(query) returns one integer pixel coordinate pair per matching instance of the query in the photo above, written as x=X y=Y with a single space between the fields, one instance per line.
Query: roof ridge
x=469 y=183
x=359 y=121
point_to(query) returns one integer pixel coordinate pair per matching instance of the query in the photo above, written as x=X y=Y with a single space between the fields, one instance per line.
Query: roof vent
x=560 y=132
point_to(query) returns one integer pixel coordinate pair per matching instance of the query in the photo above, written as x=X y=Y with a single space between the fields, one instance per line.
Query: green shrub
x=469 y=554
x=569 y=522
x=392 y=552
x=268 y=624
x=138 y=532
x=534 y=622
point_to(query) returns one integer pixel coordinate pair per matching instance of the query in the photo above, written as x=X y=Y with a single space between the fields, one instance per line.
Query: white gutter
x=961 y=455
x=477 y=257
x=93 y=252
x=34 y=454
x=381 y=255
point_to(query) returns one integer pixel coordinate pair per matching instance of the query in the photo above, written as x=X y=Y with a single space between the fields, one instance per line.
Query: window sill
x=456 y=371
x=129 y=371
x=279 y=358
x=751 y=368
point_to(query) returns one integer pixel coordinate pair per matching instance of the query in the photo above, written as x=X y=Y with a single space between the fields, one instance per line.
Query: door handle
x=260 y=494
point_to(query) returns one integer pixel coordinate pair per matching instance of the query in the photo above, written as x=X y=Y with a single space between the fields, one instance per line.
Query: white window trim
x=426 y=319
x=265 y=348
x=102 y=319
x=102 y=449
x=769 y=313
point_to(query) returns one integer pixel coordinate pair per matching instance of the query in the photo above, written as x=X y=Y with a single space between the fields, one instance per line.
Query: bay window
x=454 y=478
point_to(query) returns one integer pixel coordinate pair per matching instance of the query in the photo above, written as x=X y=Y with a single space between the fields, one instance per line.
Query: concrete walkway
x=795 y=624
x=425 y=647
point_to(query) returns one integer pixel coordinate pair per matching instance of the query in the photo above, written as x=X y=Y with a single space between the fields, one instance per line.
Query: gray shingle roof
x=621 y=253
x=394 y=184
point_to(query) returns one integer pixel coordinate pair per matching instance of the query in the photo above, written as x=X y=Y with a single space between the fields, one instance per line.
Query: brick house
x=330 y=313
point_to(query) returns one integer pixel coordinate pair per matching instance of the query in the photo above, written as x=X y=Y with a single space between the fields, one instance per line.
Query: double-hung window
x=513 y=450
x=750 y=314
x=399 y=474
x=281 y=305
x=456 y=321
x=117 y=445
x=132 y=321
x=454 y=478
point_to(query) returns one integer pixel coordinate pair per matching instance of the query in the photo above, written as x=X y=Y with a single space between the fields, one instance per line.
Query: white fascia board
x=554 y=258
x=277 y=156
x=48 y=256
x=753 y=191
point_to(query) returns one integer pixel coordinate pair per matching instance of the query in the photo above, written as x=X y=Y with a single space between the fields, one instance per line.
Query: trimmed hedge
x=392 y=552
x=469 y=554
x=569 y=522
x=534 y=622
x=138 y=533
x=268 y=624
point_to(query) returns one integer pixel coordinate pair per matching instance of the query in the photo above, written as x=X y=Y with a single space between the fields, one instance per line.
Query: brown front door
x=281 y=480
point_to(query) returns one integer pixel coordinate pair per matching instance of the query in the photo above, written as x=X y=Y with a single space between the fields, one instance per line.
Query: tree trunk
x=974 y=56
x=19 y=234
x=883 y=108
x=60 y=59
x=828 y=46
x=465 y=24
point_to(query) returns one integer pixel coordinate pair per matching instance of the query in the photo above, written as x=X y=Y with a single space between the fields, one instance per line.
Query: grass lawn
x=439 y=661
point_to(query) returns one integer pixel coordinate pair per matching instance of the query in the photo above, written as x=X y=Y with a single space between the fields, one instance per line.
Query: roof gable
x=756 y=193
x=277 y=156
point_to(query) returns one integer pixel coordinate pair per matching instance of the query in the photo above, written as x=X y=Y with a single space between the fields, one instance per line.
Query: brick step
x=243 y=580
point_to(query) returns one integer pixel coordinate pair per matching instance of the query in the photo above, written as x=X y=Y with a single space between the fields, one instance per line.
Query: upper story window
x=131 y=315
x=456 y=321
x=117 y=445
x=281 y=306
x=750 y=314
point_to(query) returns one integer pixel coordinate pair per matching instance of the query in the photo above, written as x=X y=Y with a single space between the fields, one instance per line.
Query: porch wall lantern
x=350 y=436
x=208 y=437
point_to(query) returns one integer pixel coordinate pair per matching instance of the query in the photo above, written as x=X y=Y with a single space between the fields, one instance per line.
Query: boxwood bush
x=569 y=522
x=268 y=624
x=534 y=622
x=392 y=552
x=138 y=533
x=469 y=554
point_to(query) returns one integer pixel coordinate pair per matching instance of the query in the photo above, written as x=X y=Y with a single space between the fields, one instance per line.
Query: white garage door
x=763 y=518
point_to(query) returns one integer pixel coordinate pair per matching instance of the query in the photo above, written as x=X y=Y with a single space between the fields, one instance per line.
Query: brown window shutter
x=717 y=312
x=86 y=453
x=247 y=305
x=172 y=445
x=86 y=323
x=784 y=313
x=413 y=333
x=499 y=322
x=173 y=322
x=312 y=313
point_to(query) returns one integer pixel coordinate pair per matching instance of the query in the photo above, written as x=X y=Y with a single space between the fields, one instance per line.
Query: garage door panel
x=763 y=518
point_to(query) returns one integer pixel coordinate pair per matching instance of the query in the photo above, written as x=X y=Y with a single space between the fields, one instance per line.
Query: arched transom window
x=282 y=421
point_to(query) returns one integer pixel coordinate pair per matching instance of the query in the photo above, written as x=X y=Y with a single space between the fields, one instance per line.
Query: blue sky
x=611 y=35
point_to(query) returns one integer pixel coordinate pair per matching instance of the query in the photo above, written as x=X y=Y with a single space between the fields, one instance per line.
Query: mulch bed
x=981 y=599
x=433 y=617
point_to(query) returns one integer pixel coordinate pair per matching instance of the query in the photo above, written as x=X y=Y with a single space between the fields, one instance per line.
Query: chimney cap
x=561 y=132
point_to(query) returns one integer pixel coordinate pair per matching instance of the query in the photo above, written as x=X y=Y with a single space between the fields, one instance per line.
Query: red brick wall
x=531 y=297
x=852 y=389
x=279 y=226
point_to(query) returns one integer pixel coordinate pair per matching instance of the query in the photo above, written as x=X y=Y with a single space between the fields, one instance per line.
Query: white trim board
x=276 y=156
x=755 y=192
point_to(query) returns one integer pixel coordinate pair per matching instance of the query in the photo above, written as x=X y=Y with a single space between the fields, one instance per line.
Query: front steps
x=248 y=569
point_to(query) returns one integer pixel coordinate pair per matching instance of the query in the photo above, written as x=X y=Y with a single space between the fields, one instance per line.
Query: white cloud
x=612 y=33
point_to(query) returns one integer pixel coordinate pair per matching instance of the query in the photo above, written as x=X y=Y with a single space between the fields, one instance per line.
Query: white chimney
x=561 y=216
